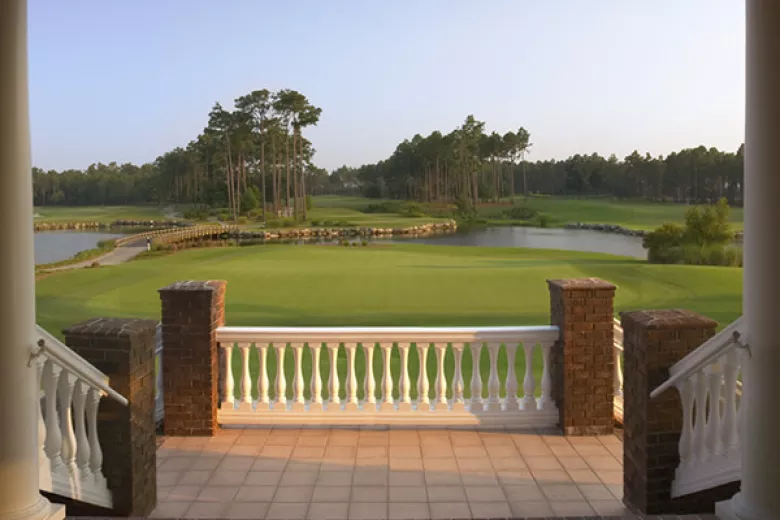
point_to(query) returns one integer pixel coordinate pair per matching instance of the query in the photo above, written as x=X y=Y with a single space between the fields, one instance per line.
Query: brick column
x=582 y=360
x=124 y=350
x=191 y=313
x=654 y=340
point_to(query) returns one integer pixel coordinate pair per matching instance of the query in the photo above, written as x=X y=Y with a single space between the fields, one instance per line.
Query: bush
x=250 y=199
x=411 y=209
x=94 y=264
x=389 y=206
x=664 y=244
x=364 y=243
x=345 y=243
x=520 y=213
x=543 y=220
x=242 y=220
x=315 y=222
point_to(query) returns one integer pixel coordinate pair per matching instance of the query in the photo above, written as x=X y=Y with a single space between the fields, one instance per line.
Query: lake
x=539 y=238
x=53 y=246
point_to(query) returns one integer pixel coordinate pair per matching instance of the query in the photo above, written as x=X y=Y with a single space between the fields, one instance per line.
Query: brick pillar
x=124 y=350
x=582 y=360
x=191 y=313
x=654 y=340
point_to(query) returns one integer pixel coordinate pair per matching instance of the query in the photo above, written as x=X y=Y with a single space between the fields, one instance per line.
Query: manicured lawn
x=630 y=214
x=97 y=213
x=391 y=285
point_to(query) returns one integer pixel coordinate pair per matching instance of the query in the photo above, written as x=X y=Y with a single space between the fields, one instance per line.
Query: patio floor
x=281 y=473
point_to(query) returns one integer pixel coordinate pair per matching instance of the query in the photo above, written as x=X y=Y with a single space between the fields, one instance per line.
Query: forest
x=257 y=151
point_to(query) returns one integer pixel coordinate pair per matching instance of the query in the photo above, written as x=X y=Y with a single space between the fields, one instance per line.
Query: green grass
x=629 y=214
x=105 y=214
x=384 y=285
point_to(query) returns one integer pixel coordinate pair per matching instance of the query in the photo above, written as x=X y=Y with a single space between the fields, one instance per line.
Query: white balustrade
x=502 y=407
x=71 y=460
x=159 y=404
x=617 y=383
x=710 y=393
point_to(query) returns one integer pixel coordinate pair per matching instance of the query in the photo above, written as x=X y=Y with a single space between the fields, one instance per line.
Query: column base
x=734 y=509
x=42 y=510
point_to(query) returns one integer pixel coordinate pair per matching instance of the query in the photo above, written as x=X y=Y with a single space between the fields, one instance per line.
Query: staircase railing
x=618 y=373
x=708 y=382
x=437 y=395
x=70 y=457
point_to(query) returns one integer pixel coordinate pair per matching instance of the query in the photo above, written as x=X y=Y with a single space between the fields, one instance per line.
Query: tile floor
x=320 y=474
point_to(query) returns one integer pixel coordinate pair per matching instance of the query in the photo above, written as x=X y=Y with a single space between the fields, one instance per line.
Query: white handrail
x=53 y=348
x=705 y=354
x=379 y=334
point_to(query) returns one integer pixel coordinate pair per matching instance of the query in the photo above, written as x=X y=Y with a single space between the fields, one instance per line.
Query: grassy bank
x=105 y=214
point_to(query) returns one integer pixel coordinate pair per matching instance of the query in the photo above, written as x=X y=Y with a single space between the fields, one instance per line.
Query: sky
x=128 y=80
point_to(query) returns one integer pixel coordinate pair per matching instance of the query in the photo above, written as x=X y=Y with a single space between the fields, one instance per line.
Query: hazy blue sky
x=129 y=80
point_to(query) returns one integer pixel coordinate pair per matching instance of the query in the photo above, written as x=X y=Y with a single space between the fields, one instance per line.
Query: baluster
x=686 y=396
x=228 y=400
x=700 y=383
x=53 y=447
x=95 y=453
x=741 y=407
x=263 y=401
x=730 y=408
x=494 y=384
x=65 y=393
x=369 y=385
x=441 y=378
x=423 y=386
x=457 y=379
x=715 y=379
x=404 y=381
x=82 y=442
x=334 y=401
x=476 y=378
x=351 y=403
x=246 y=378
x=387 y=379
x=545 y=401
x=617 y=382
x=280 y=404
x=511 y=404
x=529 y=381
x=43 y=460
x=299 y=403
x=316 y=378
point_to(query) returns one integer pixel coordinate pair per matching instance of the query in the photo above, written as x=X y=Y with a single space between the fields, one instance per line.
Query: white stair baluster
x=729 y=428
x=715 y=380
x=423 y=386
x=95 y=453
x=476 y=378
x=280 y=404
x=404 y=381
x=494 y=384
x=334 y=401
x=82 y=441
x=510 y=403
x=299 y=402
x=387 y=379
x=263 y=401
x=53 y=447
x=700 y=384
x=43 y=461
x=441 y=378
x=246 y=379
x=65 y=393
x=458 y=404
x=686 y=436
x=316 y=378
x=351 y=402
x=546 y=400
x=617 y=381
x=228 y=400
x=369 y=385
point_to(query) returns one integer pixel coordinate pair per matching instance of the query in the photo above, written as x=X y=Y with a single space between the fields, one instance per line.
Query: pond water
x=538 y=238
x=53 y=246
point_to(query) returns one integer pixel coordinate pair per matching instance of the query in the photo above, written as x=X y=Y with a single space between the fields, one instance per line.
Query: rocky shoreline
x=607 y=228
x=94 y=226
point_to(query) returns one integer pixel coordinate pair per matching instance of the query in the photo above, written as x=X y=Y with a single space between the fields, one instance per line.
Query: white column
x=759 y=497
x=19 y=495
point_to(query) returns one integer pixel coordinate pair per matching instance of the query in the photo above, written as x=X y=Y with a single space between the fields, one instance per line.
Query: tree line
x=256 y=150
x=469 y=166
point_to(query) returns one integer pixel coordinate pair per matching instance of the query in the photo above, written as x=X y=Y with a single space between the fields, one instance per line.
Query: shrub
x=315 y=222
x=364 y=243
x=708 y=225
x=94 y=264
x=242 y=220
x=250 y=199
x=543 y=220
x=388 y=206
x=411 y=209
x=345 y=243
x=520 y=213
x=663 y=245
